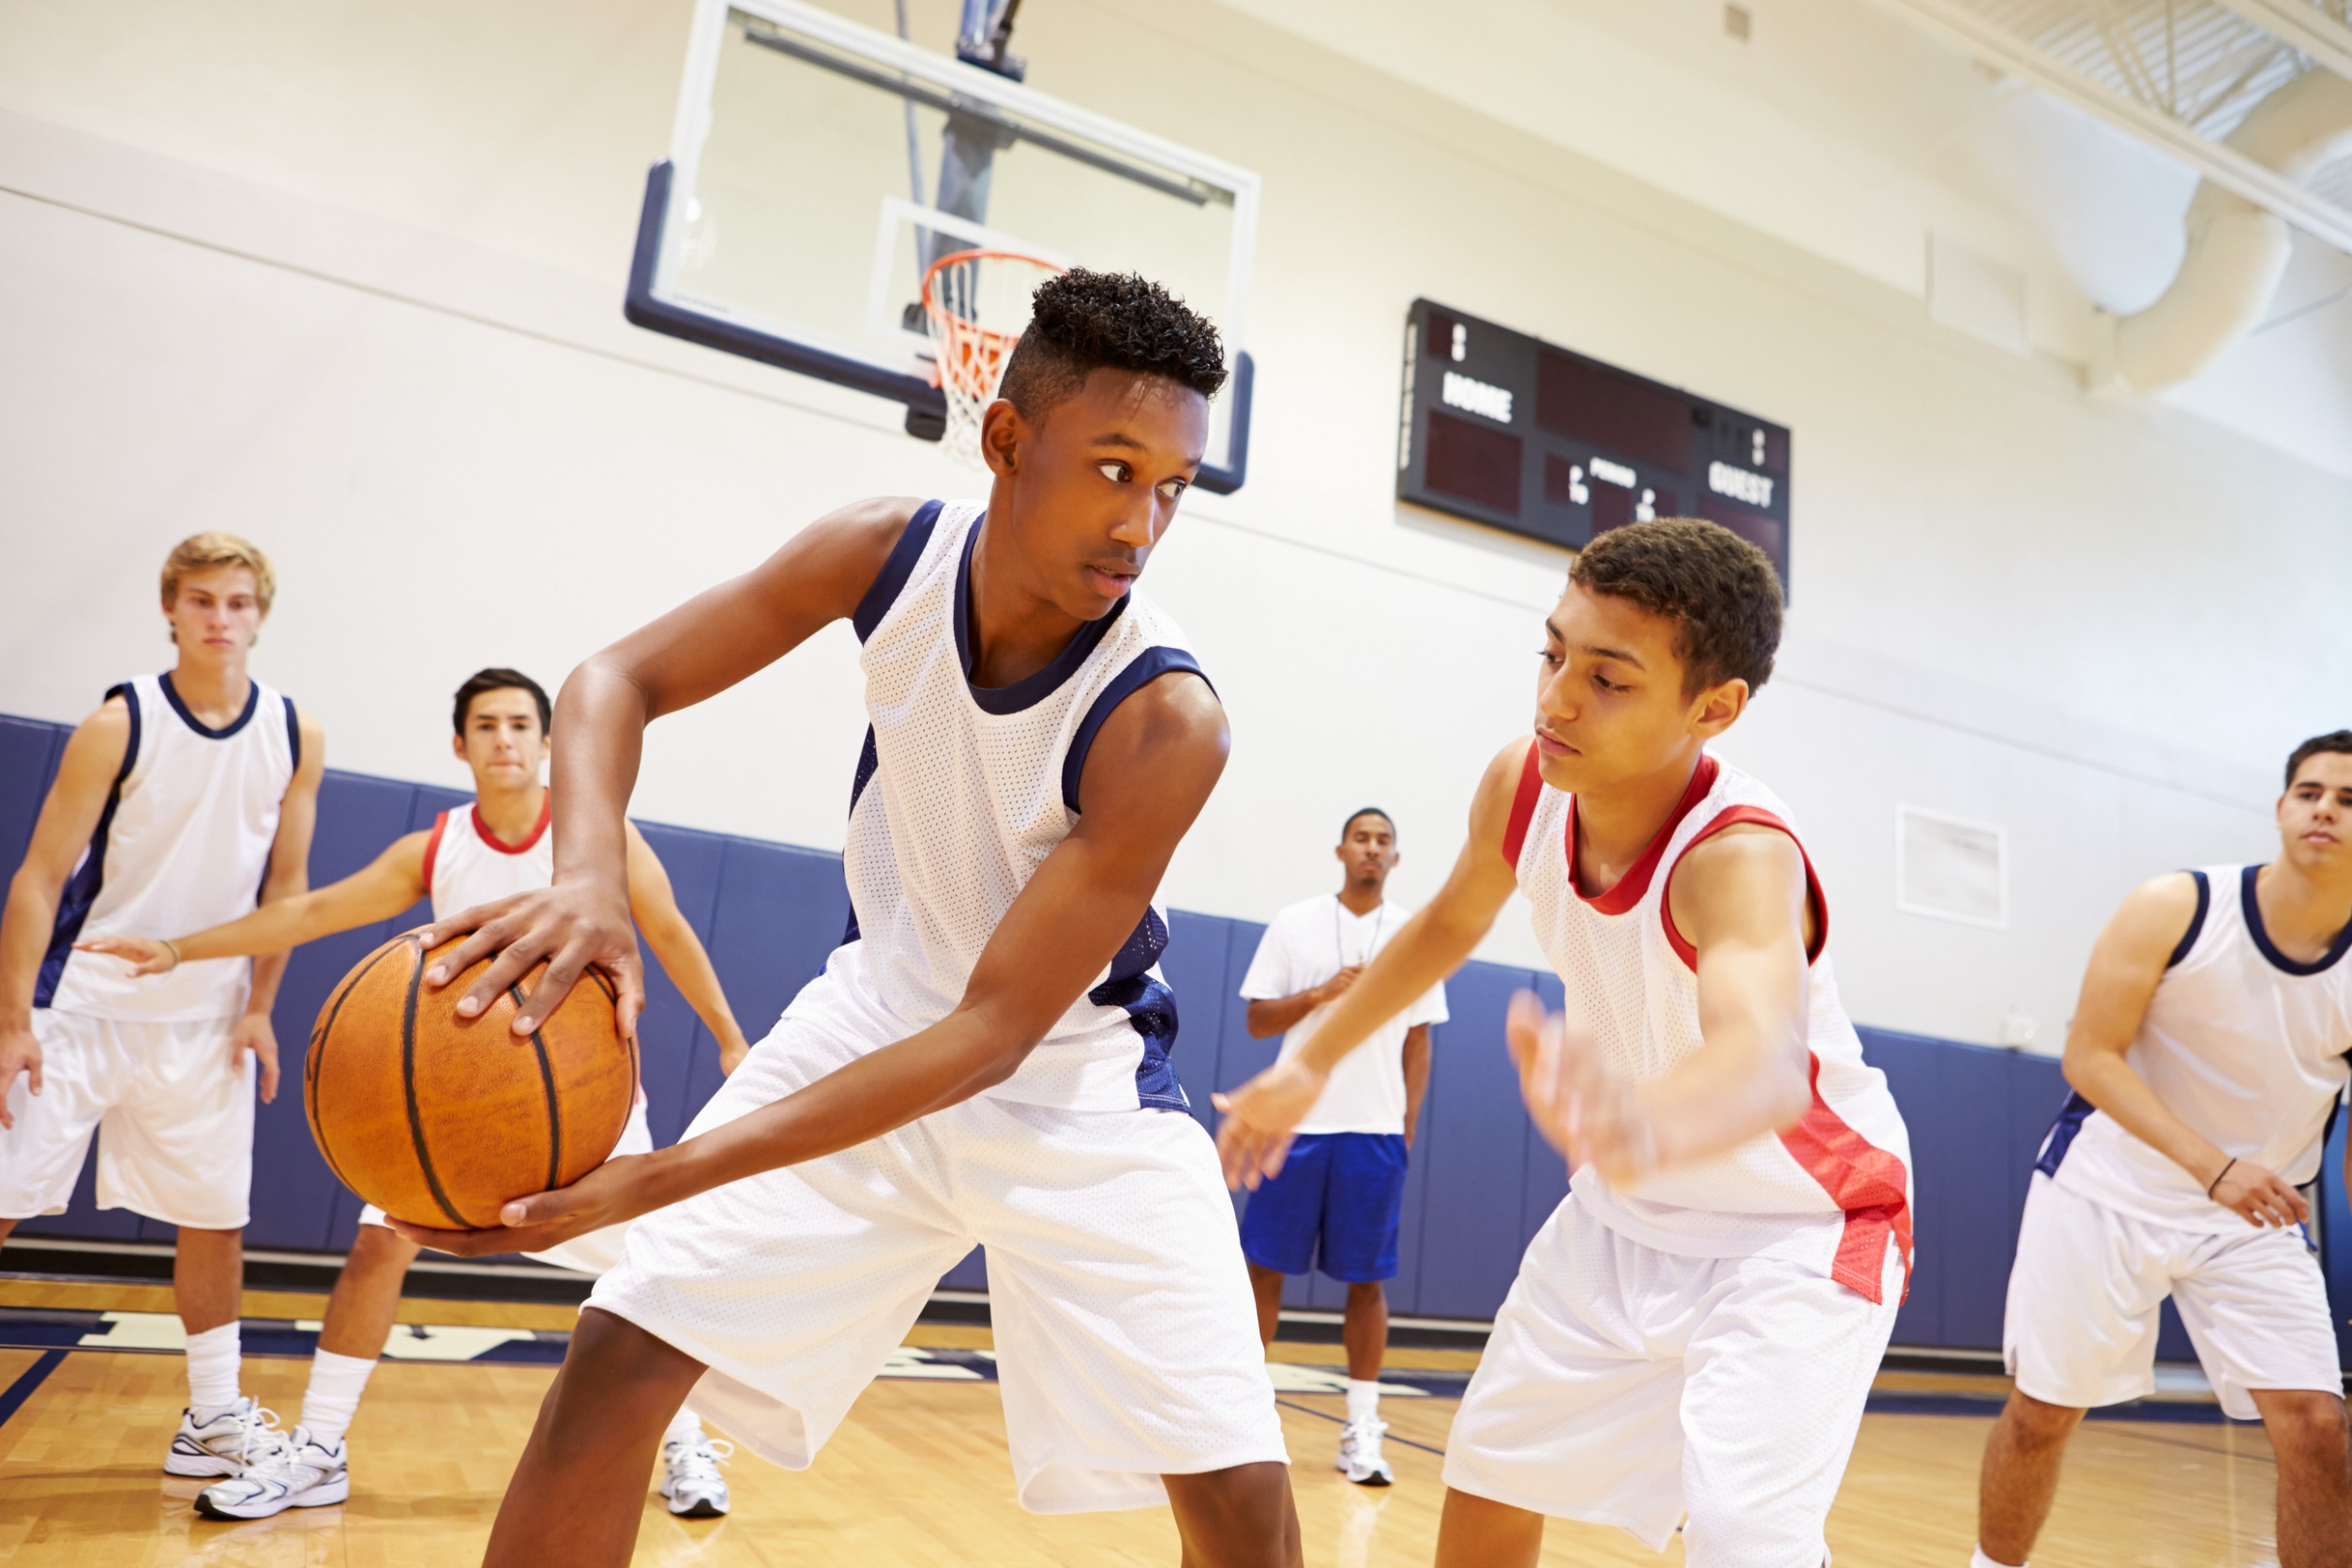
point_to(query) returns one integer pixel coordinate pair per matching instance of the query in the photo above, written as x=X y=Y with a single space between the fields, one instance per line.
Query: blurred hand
x=1337 y=986
x=145 y=955
x=252 y=1033
x=1587 y=1112
x=612 y=1193
x=570 y=926
x=1260 y=1115
x=2259 y=1197
x=19 y=1052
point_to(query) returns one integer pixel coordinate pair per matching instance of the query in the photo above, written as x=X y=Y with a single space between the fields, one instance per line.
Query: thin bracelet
x=2217 y=1179
x=175 y=952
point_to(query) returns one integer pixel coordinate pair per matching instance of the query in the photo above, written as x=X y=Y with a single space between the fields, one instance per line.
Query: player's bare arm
x=1260 y=1115
x=2126 y=965
x=377 y=891
x=697 y=650
x=1151 y=768
x=679 y=951
x=69 y=815
x=289 y=877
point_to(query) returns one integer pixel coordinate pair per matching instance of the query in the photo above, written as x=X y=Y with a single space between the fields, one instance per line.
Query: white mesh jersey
x=2244 y=1044
x=960 y=793
x=183 y=844
x=466 y=864
x=1829 y=1192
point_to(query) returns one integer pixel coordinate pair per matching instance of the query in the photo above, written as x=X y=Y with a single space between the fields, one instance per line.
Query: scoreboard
x=1509 y=430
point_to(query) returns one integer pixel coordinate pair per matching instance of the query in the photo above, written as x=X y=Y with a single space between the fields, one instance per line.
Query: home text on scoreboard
x=1507 y=429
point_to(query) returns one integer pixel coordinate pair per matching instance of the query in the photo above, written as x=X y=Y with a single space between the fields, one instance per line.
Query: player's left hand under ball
x=569 y=926
x=609 y=1195
x=252 y=1033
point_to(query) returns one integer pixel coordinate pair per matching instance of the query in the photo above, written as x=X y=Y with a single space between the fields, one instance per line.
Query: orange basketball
x=439 y=1120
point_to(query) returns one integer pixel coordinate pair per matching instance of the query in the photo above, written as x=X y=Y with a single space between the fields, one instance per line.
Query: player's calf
x=2019 y=1477
x=2309 y=1436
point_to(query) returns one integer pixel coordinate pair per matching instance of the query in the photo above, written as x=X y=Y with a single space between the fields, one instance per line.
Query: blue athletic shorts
x=1334 y=1208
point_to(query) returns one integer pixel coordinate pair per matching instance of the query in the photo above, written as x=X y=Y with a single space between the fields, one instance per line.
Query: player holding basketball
x=1696 y=1326
x=1337 y=1203
x=2208 y=1056
x=499 y=847
x=181 y=797
x=986 y=1057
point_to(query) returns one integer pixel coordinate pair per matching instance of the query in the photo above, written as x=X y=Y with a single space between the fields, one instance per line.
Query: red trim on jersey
x=433 y=851
x=547 y=814
x=1636 y=882
x=1729 y=816
x=1866 y=1182
x=1522 y=810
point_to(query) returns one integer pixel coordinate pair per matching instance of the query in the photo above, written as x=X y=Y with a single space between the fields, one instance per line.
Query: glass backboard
x=817 y=167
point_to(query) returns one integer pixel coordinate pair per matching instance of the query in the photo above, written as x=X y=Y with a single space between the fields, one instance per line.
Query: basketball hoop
x=978 y=304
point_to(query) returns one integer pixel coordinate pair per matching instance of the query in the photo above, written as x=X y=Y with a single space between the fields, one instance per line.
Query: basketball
x=439 y=1120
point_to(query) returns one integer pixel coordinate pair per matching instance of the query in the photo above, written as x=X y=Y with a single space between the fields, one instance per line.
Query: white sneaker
x=1360 y=1457
x=219 y=1446
x=283 y=1470
x=690 y=1481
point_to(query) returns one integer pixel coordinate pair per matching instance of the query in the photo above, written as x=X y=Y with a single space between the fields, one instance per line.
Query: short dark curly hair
x=2334 y=740
x=499 y=678
x=1082 y=321
x=1719 y=590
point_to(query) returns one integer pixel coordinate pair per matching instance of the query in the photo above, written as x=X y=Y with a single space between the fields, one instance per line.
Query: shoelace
x=698 y=1458
x=260 y=1426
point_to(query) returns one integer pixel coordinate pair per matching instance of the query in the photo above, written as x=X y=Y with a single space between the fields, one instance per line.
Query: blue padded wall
x=1482 y=1182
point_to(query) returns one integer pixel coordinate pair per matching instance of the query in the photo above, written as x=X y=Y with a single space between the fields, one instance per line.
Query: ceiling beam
x=1954 y=23
x=2303 y=26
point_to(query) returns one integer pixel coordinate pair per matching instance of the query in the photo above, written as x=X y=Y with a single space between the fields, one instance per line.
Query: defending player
x=986 y=1057
x=499 y=847
x=2208 y=1056
x=1337 y=1203
x=184 y=795
x=1696 y=1326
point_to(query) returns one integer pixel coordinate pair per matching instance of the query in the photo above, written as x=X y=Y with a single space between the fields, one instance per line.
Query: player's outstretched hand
x=145 y=955
x=1255 y=1138
x=19 y=1052
x=2259 y=1197
x=570 y=926
x=609 y=1195
x=1587 y=1112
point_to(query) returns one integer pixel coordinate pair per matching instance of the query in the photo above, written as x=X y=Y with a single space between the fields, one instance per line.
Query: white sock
x=686 y=1424
x=332 y=1397
x=213 y=1358
x=1980 y=1560
x=1363 y=1399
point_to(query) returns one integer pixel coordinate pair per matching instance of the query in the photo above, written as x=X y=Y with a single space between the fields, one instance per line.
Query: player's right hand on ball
x=2259 y=1197
x=569 y=926
x=19 y=1052
x=145 y=955
x=611 y=1194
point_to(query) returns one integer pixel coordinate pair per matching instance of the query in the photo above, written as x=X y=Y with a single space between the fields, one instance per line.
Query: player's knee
x=1241 y=1517
x=2034 y=1423
x=2307 y=1425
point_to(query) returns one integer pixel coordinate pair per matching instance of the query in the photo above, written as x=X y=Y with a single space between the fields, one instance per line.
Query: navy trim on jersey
x=1035 y=687
x=294 y=733
x=1152 y=1008
x=2071 y=1117
x=868 y=760
x=895 y=569
x=1145 y=667
x=252 y=702
x=2336 y=949
x=2197 y=921
x=82 y=888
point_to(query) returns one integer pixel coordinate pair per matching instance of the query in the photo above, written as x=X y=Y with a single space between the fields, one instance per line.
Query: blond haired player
x=501 y=845
x=184 y=793
x=1695 y=1330
x=2208 y=1056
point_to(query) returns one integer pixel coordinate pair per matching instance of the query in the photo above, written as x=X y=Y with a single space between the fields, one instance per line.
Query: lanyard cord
x=1338 y=942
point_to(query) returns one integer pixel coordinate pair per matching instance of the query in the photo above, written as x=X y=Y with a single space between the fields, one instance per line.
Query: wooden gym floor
x=918 y=1474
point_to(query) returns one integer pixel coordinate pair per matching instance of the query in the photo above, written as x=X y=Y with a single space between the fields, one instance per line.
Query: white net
x=978 y=304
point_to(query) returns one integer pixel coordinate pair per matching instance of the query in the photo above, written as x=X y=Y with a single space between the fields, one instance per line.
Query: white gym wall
x=347 y=279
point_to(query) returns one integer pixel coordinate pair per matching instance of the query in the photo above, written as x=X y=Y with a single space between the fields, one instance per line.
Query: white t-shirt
x=1307 y=945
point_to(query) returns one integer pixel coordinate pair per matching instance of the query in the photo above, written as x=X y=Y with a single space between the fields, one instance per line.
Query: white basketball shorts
x=1627 y=1386
x=173 y=1117
x=598 y=1250
x=2081 y=1325
x=1126 y=1340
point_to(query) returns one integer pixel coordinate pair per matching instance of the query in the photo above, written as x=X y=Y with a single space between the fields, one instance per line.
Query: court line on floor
x=1342 y=1421
x=27 y=1380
